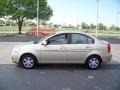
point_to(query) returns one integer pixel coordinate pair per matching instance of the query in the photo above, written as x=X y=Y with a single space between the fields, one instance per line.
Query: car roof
x=60 y=32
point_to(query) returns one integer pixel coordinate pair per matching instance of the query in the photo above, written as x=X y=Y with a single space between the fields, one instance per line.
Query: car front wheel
x=28 y=61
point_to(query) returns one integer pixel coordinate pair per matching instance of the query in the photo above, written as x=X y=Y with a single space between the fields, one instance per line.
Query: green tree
x=78 y=26
x=42 y=22
x=92 y=26
x=28 y=23
x=50 y=24
x=84 y=25
x=2 y=22
x=117 y=28
x=101 y=26
x=20 y=10
x=112 y=27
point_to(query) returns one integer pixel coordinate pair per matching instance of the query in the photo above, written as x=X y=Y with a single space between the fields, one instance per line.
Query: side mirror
x=35 y=42
x=44 y=43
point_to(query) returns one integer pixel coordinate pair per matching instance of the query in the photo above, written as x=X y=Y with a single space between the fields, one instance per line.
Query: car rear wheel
x=93 y=62
x=28 y=61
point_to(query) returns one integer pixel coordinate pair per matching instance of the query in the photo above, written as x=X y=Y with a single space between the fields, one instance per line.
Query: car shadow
x=72 y=67
x=68 y=67
x=110 y=67
x=65 y=67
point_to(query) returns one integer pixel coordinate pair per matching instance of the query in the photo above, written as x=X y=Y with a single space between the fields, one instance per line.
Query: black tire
x=28 y=61
x=93 y=62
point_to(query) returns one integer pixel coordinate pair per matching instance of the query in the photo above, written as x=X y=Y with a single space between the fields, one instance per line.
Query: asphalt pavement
x=19 y=38
x=56 y=76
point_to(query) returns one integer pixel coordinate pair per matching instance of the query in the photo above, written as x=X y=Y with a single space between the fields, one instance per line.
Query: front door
x=55 y=50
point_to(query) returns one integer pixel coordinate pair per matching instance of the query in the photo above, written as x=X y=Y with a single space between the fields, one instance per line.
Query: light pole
x=97 y=19
x=37 y=17
x=118 y=19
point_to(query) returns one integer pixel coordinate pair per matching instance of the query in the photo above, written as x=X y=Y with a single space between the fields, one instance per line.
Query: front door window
x=58 y=39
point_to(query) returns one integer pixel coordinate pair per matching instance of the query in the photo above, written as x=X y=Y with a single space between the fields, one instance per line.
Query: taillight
x=109 y=48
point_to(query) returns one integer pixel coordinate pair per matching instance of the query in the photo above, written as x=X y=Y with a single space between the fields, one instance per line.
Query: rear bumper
x=107 y=58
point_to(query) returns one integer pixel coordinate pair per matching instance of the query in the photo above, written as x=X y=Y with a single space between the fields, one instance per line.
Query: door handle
x=88 y=46
x=63 y=48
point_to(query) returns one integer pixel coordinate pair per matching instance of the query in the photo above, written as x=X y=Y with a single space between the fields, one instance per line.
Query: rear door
x=79 y=46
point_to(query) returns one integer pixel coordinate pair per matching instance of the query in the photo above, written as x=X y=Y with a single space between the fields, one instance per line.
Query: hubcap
x=93 y=63
x=28 y=62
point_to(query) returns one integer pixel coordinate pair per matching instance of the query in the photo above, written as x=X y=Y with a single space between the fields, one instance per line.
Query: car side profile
x=64 y=47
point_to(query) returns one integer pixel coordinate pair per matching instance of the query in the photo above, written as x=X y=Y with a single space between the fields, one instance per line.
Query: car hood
x=25 y=45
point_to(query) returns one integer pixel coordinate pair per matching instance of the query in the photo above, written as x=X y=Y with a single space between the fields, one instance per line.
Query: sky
x=76 y=11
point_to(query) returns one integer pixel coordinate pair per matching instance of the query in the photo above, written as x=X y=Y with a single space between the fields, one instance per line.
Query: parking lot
x=56 y=77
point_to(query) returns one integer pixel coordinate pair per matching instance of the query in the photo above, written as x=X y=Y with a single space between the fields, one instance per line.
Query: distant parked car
x=64 y=47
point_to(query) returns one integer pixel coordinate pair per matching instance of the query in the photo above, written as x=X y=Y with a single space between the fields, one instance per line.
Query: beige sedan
x=64 y=47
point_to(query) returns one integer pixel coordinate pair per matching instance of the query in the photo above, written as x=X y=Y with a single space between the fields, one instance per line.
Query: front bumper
x=15 y=57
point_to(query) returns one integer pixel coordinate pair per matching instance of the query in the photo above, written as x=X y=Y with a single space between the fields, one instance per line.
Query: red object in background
x=42 y=31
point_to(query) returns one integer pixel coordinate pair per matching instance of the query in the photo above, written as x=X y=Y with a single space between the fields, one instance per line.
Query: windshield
x=44 y=38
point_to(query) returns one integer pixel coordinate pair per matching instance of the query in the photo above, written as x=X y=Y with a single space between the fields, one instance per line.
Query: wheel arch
x=93 y=55
x=28 y=54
